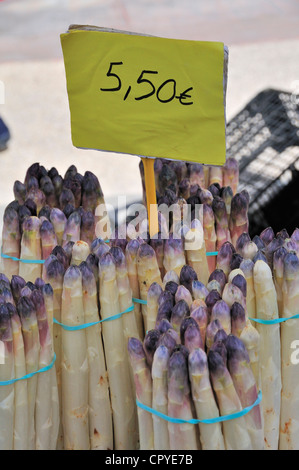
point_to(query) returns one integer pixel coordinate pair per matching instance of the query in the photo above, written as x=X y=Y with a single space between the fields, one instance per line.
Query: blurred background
x=263 y=41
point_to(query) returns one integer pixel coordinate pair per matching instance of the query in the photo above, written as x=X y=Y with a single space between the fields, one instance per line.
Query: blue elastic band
x=28 y=376
x=28 y=261
x=219 y=419
x=139 y=301
x=87 y=325
x=212 y=253
x=274 y=321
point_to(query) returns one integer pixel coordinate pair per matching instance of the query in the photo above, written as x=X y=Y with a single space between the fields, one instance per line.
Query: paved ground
x=263 y=39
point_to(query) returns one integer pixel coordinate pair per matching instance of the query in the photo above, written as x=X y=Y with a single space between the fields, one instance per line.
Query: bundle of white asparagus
x=29 y=409
x=196 y=362
x=209 y=193
x=50 y=210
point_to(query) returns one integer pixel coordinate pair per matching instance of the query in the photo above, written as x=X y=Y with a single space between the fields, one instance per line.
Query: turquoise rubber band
x=274 y=321
x=27 y=261
x=87 y=325
x=212 y=253
x=28 y=376
x=219 y=419
x=139 y=301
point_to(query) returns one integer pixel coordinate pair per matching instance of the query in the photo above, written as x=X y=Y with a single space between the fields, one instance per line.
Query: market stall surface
x=263 y=40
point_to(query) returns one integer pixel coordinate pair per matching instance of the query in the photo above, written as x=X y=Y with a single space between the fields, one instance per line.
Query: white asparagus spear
x=27 y=312
x=123 y=405
x=21 y=394
x=100 y=415
x=289 y=415
x=7 y=372
x=270 y=353
x=211 y=437
x=31 y=249
x=143 y=386
x=43 y=403
x=160 y=400
x=74 y=364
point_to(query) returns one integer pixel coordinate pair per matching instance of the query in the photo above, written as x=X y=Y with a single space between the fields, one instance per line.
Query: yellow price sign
x=145 y=95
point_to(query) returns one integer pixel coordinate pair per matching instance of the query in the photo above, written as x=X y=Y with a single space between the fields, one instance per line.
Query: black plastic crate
x=264 y=138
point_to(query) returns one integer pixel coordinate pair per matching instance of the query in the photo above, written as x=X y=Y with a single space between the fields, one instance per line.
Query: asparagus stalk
x=219 y=276
x=187 y=276
x=192 y=338
x=48 y=238
x=27 y=312
x=170 y=339
x=238 y=319
x=196 y=174
x=211 y=437
x=247 y=268
x=245 y=385
x=231 y=174
x=72 y=228
x=125 y=294
x=289 y=435
x=17 y=284
x=216 y=175
x=48 y=295
x=171 y=287
x=160 y=399
x=210 y=235
x=43 y=404
x=58 y=219
x=20 y=432
x=227 y=195
x=179 y=312
x=80 y=252
x=148 y=272
x=181 y=436
x=131 y=258
x=143 y=385
x=278 y=276
x=123 y=406
x=195 y=247
x=54 y=275
x=221 y=222
x=7 y=372
x=251 y=338
x=100 y=416
x=183 y=294
x=224 y=257
x=270 y=355
x=10 y=241
x=74 y=365
x=200 y=315
x=211 y=300
x=150 y=345
x=174 y=255
x=171 y=276
x=221 y=311
x=31 y=249
x=87 y=232
x=199 y=290
x=20 y=191
x=238 y=222
x=61 y=255
x=236 y=435
x=153 y=295
x=212 y=328
x=232 y=293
